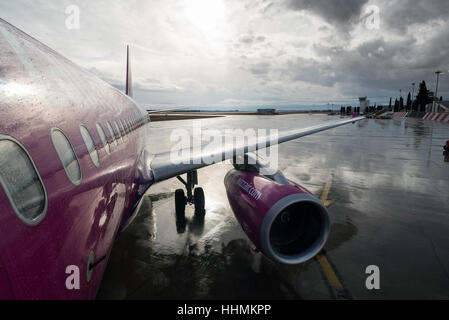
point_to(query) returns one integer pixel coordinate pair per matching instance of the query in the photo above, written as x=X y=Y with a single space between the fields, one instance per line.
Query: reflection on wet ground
x=390 y=184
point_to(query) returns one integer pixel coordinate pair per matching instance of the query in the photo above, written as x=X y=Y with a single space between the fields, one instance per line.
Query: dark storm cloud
x=397 y=14
x=401 y=14
x=412 y=42
x=336 y=12
x=394 y=64
x=377 y=67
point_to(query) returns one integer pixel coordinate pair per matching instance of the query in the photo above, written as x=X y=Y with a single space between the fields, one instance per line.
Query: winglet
x=129 y=81
x=354 y=115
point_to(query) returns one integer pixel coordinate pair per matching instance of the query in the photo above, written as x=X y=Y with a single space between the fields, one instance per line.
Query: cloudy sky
x=231 y=53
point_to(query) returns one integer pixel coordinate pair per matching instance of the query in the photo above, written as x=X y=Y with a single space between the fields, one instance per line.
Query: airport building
x=266 y=111
x=364 y=104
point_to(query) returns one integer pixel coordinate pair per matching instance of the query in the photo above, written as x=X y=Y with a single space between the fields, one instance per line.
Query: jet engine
x=283 y=219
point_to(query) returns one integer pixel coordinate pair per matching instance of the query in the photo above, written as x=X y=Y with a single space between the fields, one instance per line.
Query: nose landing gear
x=196 y=197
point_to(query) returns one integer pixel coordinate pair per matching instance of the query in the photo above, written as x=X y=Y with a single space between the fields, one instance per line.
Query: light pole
x=438 y=78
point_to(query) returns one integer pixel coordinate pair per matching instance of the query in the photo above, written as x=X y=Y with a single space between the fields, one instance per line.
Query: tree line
x=419 y=104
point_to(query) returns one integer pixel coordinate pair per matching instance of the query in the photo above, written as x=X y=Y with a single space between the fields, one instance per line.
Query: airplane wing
x=165 y=110
x=162 y=166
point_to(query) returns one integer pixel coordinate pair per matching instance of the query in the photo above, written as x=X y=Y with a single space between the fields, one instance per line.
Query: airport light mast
x=438 y=78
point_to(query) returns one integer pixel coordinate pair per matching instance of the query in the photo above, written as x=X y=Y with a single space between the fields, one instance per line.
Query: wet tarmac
x=389 y=207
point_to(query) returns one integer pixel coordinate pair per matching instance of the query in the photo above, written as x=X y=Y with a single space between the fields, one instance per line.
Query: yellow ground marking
x=322 y=260
x=328 y=271
x=323 y=197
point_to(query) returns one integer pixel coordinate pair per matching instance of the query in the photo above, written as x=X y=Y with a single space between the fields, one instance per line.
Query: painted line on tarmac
x=332 y=278
x=328 y=271
x=325 y=193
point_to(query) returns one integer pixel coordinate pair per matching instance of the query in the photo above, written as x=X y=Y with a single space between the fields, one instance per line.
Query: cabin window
x=21 y=182
x=122 y=128
x=67 y=155
x=90 y=145
x=118 y=130
x=103 y=138
x=111 y=131
x=125 y=126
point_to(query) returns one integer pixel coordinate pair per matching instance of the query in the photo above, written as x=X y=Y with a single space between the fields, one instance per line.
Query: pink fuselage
x=41 y=90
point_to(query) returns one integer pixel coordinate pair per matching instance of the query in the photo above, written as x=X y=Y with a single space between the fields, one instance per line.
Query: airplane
x=75 y=165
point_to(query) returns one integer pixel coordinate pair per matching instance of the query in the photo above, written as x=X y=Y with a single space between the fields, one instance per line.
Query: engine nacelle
x=284 y=220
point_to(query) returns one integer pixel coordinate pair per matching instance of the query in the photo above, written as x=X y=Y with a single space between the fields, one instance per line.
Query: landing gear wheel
x=198 y=196
x=180 y=204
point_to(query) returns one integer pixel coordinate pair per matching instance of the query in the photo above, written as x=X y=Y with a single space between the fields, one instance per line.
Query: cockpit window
x=67 y=156
x=103 y=138
x=90 y=145
x=21 y=182
x=111 y=131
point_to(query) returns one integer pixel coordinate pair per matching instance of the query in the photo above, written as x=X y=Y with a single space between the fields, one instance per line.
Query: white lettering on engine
x=252 y=191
